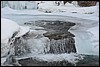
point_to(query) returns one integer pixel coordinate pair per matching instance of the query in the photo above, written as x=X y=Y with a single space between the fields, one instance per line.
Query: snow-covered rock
x=8 y=28
x=69 y=5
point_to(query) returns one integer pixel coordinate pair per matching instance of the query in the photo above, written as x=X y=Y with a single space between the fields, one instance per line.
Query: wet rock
x=58 y=35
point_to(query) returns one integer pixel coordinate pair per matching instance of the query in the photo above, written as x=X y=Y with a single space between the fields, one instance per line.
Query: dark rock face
x=87 y=3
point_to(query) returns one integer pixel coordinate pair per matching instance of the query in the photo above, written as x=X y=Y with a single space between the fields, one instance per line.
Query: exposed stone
x=87 y=3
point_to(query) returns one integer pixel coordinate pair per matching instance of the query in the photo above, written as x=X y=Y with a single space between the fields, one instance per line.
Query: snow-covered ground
x=86 y=29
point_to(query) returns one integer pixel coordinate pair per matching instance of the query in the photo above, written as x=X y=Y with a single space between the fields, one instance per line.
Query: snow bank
x=7 y=10
x=87 y=40
x=23 y=30
x=94 y=38
x=8 y=28
x=68 y=7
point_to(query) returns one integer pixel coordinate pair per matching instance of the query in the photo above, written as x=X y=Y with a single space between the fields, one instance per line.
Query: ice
x=39 y=45
x=8 y=28
x=94 y=34
x=87 y=40
x=71 y=58
x=83 y=46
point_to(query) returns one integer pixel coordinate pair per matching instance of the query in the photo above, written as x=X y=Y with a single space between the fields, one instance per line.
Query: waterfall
x=19 y=4
x=39 y=44
x=65 y=45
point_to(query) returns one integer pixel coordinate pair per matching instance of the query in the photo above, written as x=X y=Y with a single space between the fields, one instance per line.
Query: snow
x=23 y=30
x=67 y=8
x=83 y=46
x=94 y=38
x=71 y=58
x=69 y=5
x=7 y=10
x=8 y=28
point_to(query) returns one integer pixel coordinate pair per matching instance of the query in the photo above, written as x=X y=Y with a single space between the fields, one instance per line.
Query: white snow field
x=86 y=29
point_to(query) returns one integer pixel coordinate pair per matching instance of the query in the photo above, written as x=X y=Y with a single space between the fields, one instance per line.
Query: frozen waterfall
x=19 y=5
